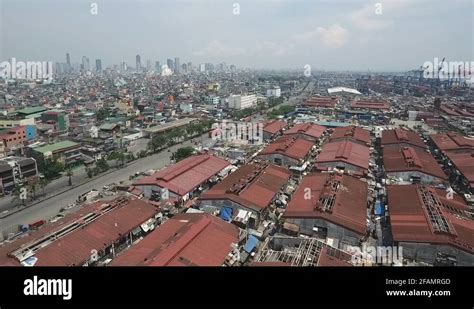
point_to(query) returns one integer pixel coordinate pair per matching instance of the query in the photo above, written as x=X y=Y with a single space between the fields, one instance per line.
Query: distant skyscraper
x=85 y=63
x=177 y=66
x=202 y=67
x=190 y=66
x=98 y=65
x=138 y=63
x=148 y=65
x=68 y=61
x=169 y=63
x=157 y=67
x=123 y=66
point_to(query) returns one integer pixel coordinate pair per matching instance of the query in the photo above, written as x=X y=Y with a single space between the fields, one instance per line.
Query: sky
x=353 y=35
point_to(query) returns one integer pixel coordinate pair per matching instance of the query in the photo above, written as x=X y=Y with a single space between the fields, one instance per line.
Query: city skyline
x=341 y=35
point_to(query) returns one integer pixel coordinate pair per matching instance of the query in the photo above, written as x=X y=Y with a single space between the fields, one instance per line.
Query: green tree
x=32 y=188
x=43 y=183
x=69 y=174
x=102 y=165
x=182 y=153
x=19 y=193
x=51 y=168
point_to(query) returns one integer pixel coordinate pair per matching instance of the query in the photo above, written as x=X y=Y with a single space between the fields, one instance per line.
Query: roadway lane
x=49 y=208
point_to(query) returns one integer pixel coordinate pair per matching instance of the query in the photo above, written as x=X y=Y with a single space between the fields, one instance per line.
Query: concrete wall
x=347 y=167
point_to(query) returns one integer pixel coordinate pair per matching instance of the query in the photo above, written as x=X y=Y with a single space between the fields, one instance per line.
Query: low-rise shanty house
x=91 y=235
x=351 y=133
x=253 y=187
x=287 y=151
x=331 y=207
x=412 y=164
x=344 y=155
x=273 y=128
x=183 y=179
x=191 y=239
x=401 y=138
x=427 y=225
x=310 y=131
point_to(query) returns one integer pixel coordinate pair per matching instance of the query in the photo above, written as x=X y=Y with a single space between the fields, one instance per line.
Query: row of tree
x=177 y=135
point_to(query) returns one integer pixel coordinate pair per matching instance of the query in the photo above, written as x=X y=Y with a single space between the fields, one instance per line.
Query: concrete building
x=274 y=92
x=10 y=123
x=242 y=101
x=183 y=179
x=412 y=164
x=426 y=224
x=212 y=100
x=334 y=208
x=65 y=152
x=253 y=187
x=16 y=170
x=344 y=155
x=287 y=151
x=184 y=240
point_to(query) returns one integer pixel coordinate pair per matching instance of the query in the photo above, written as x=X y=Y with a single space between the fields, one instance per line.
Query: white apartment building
x=242 y=101
x=274 y=92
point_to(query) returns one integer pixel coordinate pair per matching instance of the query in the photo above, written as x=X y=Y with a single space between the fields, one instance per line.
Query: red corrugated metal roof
x=184 y=240
x=291 y=146
x=464 y=162
x=370 y=104
x=350 y=133
x=410 y=222
x=185 y=175
x=411 y=159
x=309 y=129
x=328 y=102
x=358 y=155
x=253 y=185
x=451 y=142
x=349 y=209
x=400 y=136
x=75 y=248
x=274 y=126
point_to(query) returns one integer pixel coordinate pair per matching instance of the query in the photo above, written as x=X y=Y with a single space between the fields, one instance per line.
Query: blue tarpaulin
x=226 y=213
x=251 y=243
x=379 y=208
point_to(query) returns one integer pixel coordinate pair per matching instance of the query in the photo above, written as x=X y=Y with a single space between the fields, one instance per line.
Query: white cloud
x=367 y=18
x=334 y=36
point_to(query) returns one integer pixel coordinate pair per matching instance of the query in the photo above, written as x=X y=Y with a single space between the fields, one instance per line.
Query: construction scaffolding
x=294 y=251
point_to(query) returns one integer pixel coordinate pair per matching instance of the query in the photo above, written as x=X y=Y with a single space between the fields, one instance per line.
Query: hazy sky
x=327 y=34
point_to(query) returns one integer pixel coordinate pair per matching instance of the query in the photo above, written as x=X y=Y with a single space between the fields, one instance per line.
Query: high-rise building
x=85 y=63
x=157 y=67
x=169 y=63
x=190 y=66
x=148 y=65
x=123 y=66
x=202 y=67
x=68 y=61
x=177 y=66
x=98 y=65
x=138 y=63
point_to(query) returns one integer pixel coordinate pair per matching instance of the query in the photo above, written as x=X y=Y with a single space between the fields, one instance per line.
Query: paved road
x=49 y=208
